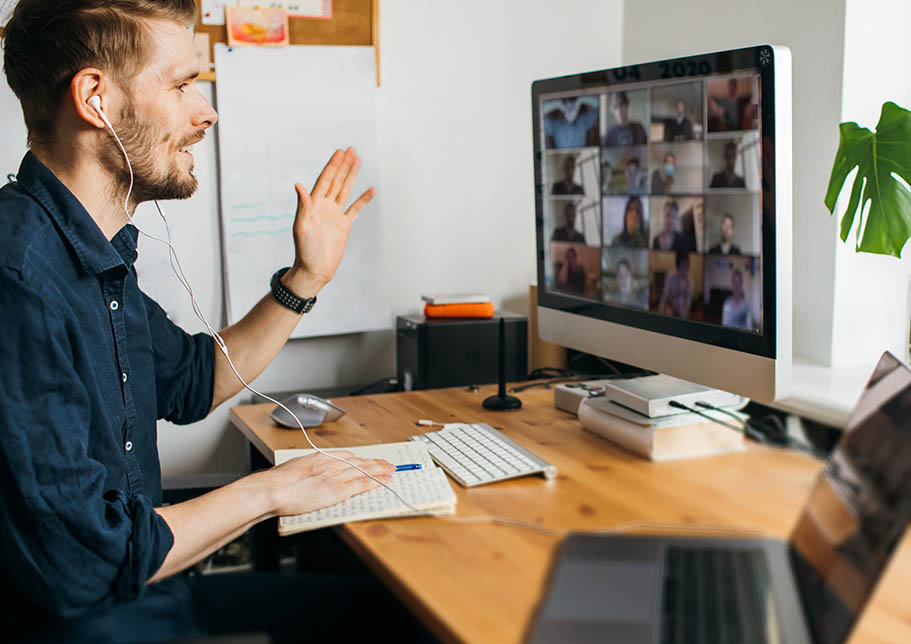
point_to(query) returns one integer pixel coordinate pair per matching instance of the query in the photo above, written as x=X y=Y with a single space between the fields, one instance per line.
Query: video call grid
x=681 y=259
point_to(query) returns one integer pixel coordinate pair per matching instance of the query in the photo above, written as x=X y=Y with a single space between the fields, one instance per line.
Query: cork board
x=353 y=22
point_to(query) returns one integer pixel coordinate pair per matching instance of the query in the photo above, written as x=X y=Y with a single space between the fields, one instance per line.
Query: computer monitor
x=663 y=216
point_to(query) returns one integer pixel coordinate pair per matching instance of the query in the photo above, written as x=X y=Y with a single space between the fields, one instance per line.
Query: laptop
x=810 y=588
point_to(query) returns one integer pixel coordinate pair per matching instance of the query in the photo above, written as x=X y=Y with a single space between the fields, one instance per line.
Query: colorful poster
x=266 y=26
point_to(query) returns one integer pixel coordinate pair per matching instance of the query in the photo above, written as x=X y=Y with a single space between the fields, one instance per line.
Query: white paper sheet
x=282 y=114
x=212 y=12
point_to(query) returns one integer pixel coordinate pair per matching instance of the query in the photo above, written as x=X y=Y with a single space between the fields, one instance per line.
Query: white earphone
x=95 y=102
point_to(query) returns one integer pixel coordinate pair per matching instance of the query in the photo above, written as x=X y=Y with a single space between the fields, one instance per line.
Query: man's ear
x=87 y=83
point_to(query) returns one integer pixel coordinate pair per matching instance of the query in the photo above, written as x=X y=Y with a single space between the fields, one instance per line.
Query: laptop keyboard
x=715 y=595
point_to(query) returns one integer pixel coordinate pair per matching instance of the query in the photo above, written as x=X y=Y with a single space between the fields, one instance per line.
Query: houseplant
x=883 y=162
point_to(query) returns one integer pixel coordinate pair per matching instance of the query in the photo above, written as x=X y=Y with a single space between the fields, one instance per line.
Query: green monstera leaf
x=879 y=157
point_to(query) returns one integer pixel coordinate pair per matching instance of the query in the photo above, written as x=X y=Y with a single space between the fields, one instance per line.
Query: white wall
x=455 y=129
x=871 y=292
x=813 y=29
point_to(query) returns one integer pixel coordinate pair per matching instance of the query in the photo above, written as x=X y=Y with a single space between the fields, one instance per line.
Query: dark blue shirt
x=88 y=363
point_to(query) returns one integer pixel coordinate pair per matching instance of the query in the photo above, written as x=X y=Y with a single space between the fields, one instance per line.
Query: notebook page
x=427 y=489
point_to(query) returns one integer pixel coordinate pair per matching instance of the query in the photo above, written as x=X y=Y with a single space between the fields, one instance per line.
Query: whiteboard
x=282 y=113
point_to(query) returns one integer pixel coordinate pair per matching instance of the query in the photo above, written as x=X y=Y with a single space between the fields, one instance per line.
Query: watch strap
x=285 y=297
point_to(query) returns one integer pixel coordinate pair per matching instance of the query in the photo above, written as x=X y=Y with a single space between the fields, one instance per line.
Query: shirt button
x=124 y=376
x=114 y=305
x=128 y=446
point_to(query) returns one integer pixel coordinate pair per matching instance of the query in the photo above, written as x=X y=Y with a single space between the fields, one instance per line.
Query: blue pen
x=409 y=466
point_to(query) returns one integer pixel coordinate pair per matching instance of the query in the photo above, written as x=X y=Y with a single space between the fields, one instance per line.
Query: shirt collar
x=95 y=253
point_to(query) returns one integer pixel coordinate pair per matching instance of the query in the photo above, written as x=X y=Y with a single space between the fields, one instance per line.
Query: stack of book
x=663 y=438
x=457 y=305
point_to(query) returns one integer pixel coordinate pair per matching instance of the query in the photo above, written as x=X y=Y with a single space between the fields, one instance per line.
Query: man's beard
x=141 y=143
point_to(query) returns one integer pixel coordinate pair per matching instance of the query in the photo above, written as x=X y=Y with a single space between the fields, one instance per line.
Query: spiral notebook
x=427 y=489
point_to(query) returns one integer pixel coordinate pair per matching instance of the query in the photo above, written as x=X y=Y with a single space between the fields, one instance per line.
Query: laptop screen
x=859 y=507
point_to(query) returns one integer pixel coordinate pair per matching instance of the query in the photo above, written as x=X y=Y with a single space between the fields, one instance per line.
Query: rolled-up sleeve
x=184 y=368
x=71 y=538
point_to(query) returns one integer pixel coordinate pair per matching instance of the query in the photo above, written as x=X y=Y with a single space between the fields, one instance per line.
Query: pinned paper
x=212 y=12
x=313 y=9
x=267 y=26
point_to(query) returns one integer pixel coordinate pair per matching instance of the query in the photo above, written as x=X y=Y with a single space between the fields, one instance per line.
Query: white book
x=663 y=439
x=436 y=299
x=427 y=489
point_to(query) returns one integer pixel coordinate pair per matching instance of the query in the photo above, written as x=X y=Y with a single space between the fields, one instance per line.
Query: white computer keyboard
x=477 y=454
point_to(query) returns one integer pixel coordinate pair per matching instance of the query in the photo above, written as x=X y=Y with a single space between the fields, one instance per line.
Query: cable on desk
x=549 y=372
x=752 y=428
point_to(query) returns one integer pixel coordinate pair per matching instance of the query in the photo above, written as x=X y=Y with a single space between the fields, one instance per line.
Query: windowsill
x=824 y=394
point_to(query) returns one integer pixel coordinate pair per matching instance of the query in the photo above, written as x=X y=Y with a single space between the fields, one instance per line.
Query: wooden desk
x=480 y=583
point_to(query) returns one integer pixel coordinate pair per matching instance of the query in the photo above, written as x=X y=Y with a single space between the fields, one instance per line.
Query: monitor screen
x=655 y=197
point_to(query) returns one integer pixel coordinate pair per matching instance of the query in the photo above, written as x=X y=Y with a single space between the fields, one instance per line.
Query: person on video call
x=663 y=177
x=677 y=295
x=568 y=232
x=727 y=178
x=736 y=311
x=572 y=274
x=679 y=127
x=692 y=224
x=635 y=180
x=625 y=132
x=626 y=293
x=727 y=109
x=633 y=234
x=567 y=185
x=607 y=176
x=567 y=126
x=726 y=246
x=670 y=238
x=90 y=363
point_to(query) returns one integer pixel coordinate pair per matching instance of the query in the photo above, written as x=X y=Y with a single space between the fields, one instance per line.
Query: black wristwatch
x=281 y=293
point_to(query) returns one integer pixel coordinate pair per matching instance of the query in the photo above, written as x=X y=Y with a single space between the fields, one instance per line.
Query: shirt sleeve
x=184 y=368
x=72 y=544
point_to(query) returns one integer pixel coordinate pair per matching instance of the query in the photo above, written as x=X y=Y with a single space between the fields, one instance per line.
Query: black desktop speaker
x=456 y=352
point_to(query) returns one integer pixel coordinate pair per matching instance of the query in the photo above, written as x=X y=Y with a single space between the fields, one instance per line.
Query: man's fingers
x=321 y=187
x=362 y=201
x=341 y=176
x=303 y=197
x=349 y=182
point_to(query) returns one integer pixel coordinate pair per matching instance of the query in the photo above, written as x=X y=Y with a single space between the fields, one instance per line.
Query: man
x=568 y=232
x=728 y=178
x=635 y=180
x=568 y=124
x=736 y=311
x=90 y=362
x=663 y=177
x=572 y=277
x=726 y=246
x=726 y=111
x=625 y=132
x=568 y=185
x=677 y=295
x=670 y=238
x=679 y=127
